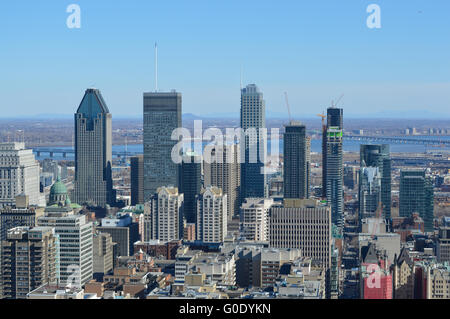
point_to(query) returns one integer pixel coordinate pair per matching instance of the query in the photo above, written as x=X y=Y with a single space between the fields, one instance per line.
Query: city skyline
x=199 y=192
x=315 y=52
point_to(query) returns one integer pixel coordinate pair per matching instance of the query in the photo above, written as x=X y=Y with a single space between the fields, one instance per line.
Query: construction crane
x=323 y=116
x=334 y=104
x=288 y=107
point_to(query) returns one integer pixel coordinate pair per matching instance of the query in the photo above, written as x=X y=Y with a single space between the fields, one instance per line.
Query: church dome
x=58 y=194
x=58 y=188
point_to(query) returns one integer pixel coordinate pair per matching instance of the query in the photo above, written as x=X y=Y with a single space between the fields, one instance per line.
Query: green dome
x=58 y=188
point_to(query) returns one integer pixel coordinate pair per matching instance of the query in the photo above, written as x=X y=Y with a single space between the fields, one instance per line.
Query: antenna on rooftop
x=156 y=67
x=241 y=76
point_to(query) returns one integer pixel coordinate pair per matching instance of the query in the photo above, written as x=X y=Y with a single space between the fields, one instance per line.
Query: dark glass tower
x=191 y=184
x=253 y=118
x=93 y=155
x=296 y=161
x=162 y=115
x=334 y=164
x=137 y=179
x=416 y=196
x=324 y=160
x=379 y=156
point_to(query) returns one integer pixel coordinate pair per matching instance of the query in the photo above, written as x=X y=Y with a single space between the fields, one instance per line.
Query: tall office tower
x=416 y=196
x=137 y=179
x=303 y=224
x=103 y=255
x=212 y=215
x=225 y=174
x=19 y=174
x=93 y=154
x=369 y=192
x=324 y=158
x=296 y=161
x=29 y=260
x=253 y=118
x=123 y=231
x=10 y=217
x=75 y=243
x=162 y=114
x=163 y=215
x=334 y=163
x=191 y=184
x=308 y=164
x=255 y=219
x=379 y=156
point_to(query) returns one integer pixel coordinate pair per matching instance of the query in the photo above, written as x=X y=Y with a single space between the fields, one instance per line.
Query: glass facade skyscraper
x=416 y=196
x=369 y=191
x=334 y=164
x=379 y=156
x=93 y=152
x=162 y=115
x=253 y=118
x=191 y=184
x=296 y=167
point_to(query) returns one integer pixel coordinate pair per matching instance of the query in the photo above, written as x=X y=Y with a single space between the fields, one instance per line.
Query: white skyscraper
x=75 y=243
x=255 y=219
x=212 y=215
x=163 y=215
x=19 y=174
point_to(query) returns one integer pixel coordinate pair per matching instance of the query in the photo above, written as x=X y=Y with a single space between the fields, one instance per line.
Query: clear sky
x=314 y=50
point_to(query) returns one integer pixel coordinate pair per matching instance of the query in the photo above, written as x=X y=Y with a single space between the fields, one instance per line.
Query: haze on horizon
x=315 y=51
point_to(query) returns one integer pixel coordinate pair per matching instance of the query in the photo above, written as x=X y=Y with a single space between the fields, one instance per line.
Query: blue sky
x=314 y=50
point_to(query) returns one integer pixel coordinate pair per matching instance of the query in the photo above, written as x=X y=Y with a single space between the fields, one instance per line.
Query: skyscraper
x=296 y=162
x=137 y=179
x=379 y=156
x=75 y=241
x=369 y=191
x=162 y=114
x=29 y=260
x=324 y=158
x=225 y=174
x=212 y=215
x=191 y=184
x=416 y=196
x=303 y=224
x=334 y=164
x=19 y=174
x=163 y=215
x=93 y=154
x=253 y=118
